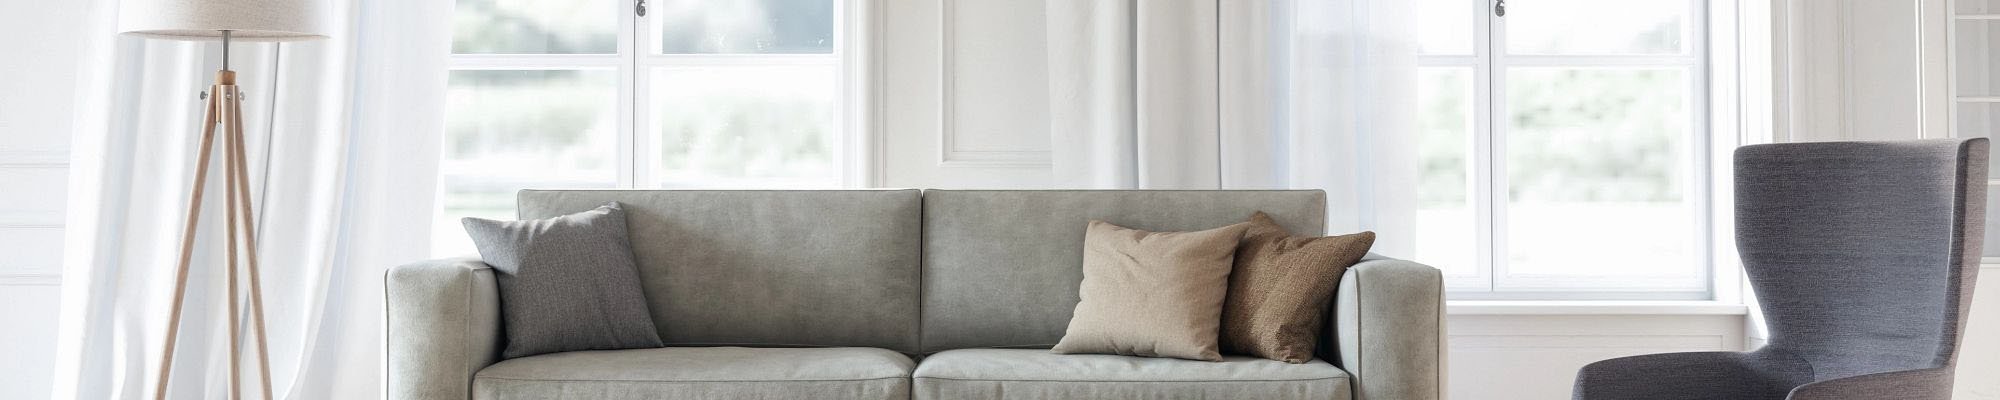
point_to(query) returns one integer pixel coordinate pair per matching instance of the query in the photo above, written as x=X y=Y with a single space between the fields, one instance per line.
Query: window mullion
x=633 y=161
x=1487 y=144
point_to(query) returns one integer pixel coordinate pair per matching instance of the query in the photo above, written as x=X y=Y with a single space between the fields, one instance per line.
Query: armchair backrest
x=1863 y=254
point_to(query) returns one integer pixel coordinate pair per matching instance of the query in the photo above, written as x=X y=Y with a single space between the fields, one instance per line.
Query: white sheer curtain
x=1206 y=94
x=343 y=141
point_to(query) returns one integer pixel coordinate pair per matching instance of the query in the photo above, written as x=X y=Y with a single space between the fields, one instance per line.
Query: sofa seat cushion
x=1039 y=374
x=700 y=373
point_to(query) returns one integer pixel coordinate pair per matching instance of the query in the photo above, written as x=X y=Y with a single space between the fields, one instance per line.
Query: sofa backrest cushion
x=769 y=268
x=1001 y=268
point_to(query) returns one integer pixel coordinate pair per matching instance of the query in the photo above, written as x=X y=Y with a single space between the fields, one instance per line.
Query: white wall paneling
x=35 y=101
x=983 y=121
x=32 y=184
x=964 y=95
x=1504 y=357
x=1861 y=69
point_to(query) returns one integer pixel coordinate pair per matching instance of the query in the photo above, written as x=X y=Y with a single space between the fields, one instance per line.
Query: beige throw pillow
x=1152 y=294
x=1279 y=291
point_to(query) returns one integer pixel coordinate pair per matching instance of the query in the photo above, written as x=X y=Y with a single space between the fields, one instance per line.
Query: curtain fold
x=342 y=140
x=1132 y=89
x=1093 y=138
x=1241 y=94
x=1350 y=112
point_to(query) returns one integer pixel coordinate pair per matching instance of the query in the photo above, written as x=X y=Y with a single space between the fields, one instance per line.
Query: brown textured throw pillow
x=1152 y=294
x=1279 y=290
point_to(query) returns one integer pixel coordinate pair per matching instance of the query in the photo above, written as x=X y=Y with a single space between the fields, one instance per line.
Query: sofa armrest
x=1387 y=330
x=443 y=326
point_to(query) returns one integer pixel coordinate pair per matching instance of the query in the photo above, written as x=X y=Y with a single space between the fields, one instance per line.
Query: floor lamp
x=227 y=20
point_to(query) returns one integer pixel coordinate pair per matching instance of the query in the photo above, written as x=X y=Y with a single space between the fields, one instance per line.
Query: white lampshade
x=247 y=20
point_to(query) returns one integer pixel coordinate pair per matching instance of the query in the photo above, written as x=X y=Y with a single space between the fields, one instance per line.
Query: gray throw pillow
x=566 y=283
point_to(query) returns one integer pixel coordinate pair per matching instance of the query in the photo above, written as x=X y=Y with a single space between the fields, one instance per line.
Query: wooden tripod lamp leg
x=229 y=138
x=242 y=165
x=225 y=108
x=187 y=245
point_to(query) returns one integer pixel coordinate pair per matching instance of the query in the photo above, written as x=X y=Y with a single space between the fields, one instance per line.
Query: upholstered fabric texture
x=1388 y=329
x=1152 y=294
x=846 y=268
x=701 y=373
x=566 y=282
x=1863 y=257
x=994 y=374
x=443 y=326
x=770 y=267
x=1280 y=288
x=1002 y=267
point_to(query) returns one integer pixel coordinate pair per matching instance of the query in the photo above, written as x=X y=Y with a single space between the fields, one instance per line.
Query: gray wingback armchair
x=1862 y=255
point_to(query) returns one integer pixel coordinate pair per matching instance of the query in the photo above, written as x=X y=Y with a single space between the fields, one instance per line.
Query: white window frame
x=634 y=62
x=1708 y=142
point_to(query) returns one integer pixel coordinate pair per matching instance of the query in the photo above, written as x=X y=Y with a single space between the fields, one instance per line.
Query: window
x=1563 y=148
x=591 y=94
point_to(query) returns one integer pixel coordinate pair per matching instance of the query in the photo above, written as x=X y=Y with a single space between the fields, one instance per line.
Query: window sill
x=1493 y=307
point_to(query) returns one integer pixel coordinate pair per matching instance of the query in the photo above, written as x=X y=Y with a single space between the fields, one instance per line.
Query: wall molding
x=1691 y=342
x=34 y=158
x=950 y=154
x=31 y=277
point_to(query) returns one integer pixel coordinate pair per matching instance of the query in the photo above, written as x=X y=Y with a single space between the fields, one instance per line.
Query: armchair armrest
x=1387 y=330
x=1916 y=384
x=443 y=326
x=1764 y=375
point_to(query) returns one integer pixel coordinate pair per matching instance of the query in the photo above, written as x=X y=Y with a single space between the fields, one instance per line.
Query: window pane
x=1444 y=27
x=1596 y=26
x=536 y=27
x=763 y=126
x=743 y=26
x=1446 y=218
x=1597 y=164
x=510 y=130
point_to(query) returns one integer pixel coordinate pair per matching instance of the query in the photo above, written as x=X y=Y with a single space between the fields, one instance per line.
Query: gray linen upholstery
x=701 y=373
x=566 y=282
x=443 y=326
x=982 y=374
x=769 y=267
x=1387 y=329
x=850 y=268
x=1862 y=255
x=1002 y=267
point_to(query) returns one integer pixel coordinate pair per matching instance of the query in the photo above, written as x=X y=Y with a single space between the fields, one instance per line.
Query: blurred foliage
x=744 y=26
x=1444 y=126
x=535 y=27
x=739 y=128
x=1596 y=135
x=547 y=112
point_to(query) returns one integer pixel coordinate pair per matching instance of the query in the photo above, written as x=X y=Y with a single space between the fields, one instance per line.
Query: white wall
x=36 y=76
x=964 y=95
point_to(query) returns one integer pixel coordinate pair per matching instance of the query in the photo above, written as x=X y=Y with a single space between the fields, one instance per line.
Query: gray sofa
x=895 y=294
